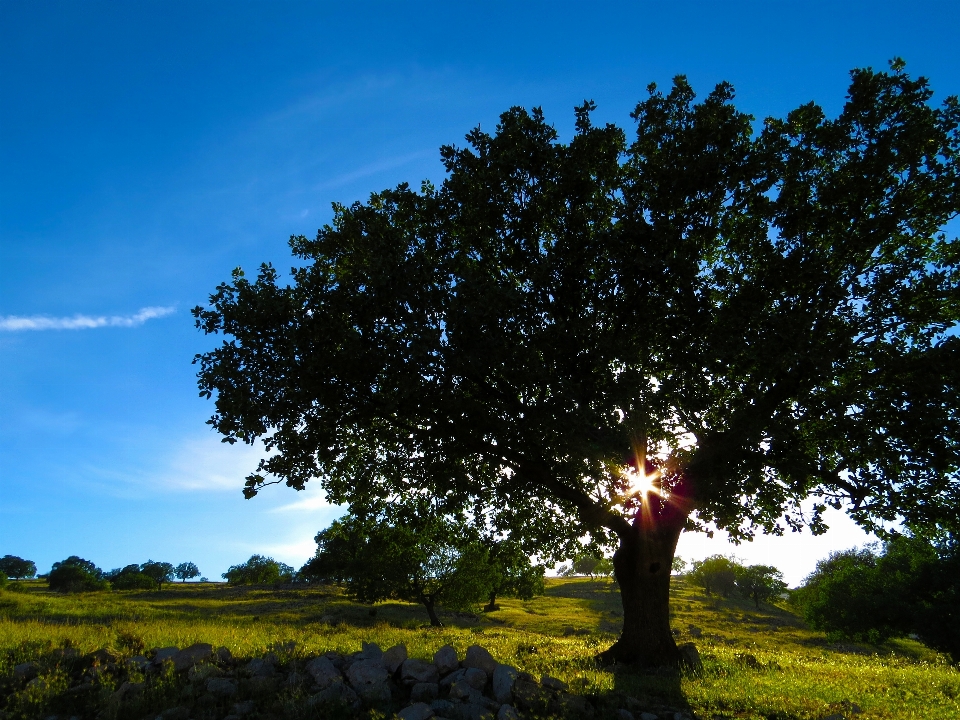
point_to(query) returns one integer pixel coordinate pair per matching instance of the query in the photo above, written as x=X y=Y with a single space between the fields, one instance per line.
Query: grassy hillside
x=757 y=663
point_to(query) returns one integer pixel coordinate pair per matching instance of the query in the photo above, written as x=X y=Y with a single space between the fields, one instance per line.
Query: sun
x=642 y=483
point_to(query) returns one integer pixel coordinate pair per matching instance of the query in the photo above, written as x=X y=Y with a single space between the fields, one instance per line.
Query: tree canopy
x=910 y=586
x=746 y=314
x=259 y=570
x=185 y=571
x=17 y=568
x=76 y=575
x=412 y=553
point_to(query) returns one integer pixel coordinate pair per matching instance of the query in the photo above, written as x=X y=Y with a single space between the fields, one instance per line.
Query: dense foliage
x=130 y=578
x=259 y=570
x=17 y=568
x=910 y=586
x=415 y=554
x=76 y=575
x=750 y=314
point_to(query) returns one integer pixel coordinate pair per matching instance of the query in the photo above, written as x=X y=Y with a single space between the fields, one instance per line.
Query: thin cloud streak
x=15 y=323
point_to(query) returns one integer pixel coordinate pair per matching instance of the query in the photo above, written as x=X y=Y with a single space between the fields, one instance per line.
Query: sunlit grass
x=757 y=663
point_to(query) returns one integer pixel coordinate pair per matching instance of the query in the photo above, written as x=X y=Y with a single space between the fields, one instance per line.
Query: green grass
x=757 y=663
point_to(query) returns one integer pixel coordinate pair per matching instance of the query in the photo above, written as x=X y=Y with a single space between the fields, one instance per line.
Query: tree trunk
x=492 y=605
x=642 y=565
x=428 y=603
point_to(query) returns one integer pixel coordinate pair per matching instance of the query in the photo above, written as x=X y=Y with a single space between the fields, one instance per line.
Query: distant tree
x=513 y=574
x=911 y=585
x=130 y=578
x=716 y=573
x=76 y=575
x=415 y=554
x=678 y=565
x=159 y=572
x=259 y=570
x=17 y=568
x=760 y=582
x=186 y=571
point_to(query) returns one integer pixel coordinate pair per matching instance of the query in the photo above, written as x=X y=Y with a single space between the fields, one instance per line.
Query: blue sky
x=148 y=148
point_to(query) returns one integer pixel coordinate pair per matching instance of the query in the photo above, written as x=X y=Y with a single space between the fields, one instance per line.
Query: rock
x=475 y=678
x=648 y=716
x=393 y=658
x=417 y=711
x=444 y=708
x=188 y=657
x=369 y=680
x=529 y=696
x=552 y=683
x=323 y=672
x=161 y=654
x=137 y=662
x=259 y=668
x=414 y=671
x=337 y=693
x=242 y=708
x=175 y=713
x=748 y=660
x=478 y=657
x=503 y=679
x=453 y=677
x=624 y=715
x=128 y=692
x=294 y=679
x=221 y=687
x=694 y=631
x=370 y=651
x=262 y=684
x=509 y=712
x=26 y=671
x=461 y=690
x=446 y=660
x=224 y=655
x=566 y=705
x=199 y=673
x=835 y=716
x=690 y=658
x=424 y=692
x=474 y=711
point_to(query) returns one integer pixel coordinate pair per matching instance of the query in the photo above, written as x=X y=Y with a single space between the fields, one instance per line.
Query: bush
x=912 y=586
x=259 y=570
x=76 y=575
x=3 y=580
x=716 y=573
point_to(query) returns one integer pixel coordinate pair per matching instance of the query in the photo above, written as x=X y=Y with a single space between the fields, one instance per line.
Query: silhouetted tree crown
x=752 y=313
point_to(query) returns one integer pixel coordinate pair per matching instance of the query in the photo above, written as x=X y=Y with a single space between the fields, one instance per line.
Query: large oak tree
x=750 y=314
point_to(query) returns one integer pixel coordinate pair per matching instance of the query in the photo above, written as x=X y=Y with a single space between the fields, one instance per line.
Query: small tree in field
x=716 y=573
x=159 y=572
x=129 y=578
x=513 y=575
x=17 y=568
x=186 y=571
x=415 y=555
x=259 y=570
x=76 y=575
x=760 y=582
x=701 y=326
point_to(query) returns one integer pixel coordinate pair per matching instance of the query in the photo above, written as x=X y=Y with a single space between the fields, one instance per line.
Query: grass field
x=757 y=663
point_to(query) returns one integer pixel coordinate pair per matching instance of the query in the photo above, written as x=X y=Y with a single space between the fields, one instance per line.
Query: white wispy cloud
x=14 y=323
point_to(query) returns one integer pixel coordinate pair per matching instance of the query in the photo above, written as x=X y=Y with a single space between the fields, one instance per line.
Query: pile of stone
x=215 y=684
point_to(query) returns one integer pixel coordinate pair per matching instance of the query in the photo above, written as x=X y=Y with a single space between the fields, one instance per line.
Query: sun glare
x=642 y=483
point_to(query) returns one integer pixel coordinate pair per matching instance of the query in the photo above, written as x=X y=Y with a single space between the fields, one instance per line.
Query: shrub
x=259 y=570
x=76 y=575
